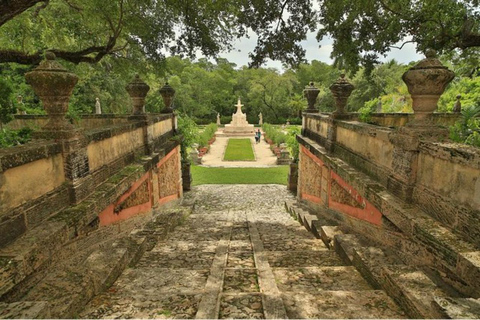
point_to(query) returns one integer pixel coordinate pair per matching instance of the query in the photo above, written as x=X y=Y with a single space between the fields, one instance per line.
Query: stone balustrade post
x=426 y=81
x=54 y=86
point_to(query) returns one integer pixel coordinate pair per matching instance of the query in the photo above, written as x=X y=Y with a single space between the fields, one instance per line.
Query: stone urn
x=311 y=93
x=53 y=84
x=341 y=90
x=137 y=89
x=426 y=81
x=168 y=94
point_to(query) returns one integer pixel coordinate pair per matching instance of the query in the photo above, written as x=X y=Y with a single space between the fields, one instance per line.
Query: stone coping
x=29 y=152
x=453 y=152
x=159 y=116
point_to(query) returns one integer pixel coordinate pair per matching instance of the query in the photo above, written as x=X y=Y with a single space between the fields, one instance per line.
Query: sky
x=243 y=46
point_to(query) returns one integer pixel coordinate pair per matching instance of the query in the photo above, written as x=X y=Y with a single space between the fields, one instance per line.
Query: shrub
x=467 y=129
x=10 y=138
x=189 y=130
x=292 y=143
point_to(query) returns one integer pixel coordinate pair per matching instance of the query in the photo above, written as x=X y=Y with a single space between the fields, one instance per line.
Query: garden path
x=214 y=158
x=240 y=255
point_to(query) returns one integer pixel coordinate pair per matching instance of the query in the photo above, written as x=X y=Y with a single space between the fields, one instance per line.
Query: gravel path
x=214 y=158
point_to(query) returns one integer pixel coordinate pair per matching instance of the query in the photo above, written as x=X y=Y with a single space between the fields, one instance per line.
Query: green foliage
x=468 y=88
x=364 y=29
x=6 y=104
x=219 y=175
x=189 y=130
x=467 y=129
x=10 y=138
x=277 y=136
x=239 y=150
x=207 y=134
x=292 y=143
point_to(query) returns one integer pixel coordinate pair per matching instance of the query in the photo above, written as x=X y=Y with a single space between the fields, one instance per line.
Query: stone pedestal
x=54 y=85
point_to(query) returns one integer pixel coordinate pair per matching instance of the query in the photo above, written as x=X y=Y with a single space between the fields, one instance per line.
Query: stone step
x=29 y=253
x=328 y=233
x=373 y=304
x=68 y=289
x=369 y=261
x=412 y=290
x=458 y=308
x=345 y=245
x=25 y=310
x=319 y=279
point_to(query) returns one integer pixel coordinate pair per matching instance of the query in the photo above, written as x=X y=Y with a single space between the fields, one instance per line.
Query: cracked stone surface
x=240 y=255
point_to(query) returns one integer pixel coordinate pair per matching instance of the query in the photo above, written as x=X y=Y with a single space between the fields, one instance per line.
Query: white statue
x=218 y=119
x=20 y=105
x=98 y=108
x=260 y=116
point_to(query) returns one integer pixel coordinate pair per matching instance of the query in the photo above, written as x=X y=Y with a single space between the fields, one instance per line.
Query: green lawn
x=214 y=175
x=239 y=150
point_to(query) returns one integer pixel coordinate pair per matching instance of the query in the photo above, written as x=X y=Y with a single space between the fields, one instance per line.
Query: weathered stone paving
x=240 y=255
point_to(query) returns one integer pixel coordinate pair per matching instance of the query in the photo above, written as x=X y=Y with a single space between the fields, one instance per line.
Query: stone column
x=54 y=85
x=426 y=82
x=311 y=93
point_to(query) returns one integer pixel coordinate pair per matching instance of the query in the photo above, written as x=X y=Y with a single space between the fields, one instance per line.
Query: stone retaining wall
x=45 y=177
x=443 y=179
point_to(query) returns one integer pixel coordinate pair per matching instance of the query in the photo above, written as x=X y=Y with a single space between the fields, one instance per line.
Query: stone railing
x=409 y=155
x=103 y=169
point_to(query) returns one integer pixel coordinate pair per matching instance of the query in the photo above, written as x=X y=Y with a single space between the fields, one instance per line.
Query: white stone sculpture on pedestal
x=239 y=124
x=260 y=116
x=98 y=108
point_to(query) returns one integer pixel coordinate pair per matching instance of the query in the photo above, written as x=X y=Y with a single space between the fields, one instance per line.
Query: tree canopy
x=88 y=30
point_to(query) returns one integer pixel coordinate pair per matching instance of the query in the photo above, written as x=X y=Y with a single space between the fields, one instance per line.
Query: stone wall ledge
x=29 y=152
x=106 y=133
x=453 y=152
x=366 y=128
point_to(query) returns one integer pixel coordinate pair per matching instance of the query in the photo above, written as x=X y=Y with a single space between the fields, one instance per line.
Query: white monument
x=98 y=107
x=218 y=119
x=239 y=124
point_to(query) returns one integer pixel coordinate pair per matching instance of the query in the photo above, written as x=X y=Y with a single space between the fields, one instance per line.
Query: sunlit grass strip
x=239 y=150
x=214 y=175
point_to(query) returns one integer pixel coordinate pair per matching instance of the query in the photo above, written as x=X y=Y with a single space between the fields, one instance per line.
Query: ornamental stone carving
x=426 y=81
x=168 y=93
x=341 y=90
x=311 y=93
x=137 y=89
x=53 y=84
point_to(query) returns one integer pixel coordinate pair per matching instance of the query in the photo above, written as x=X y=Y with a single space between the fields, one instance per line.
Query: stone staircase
x=418 y=289
x=74 y=272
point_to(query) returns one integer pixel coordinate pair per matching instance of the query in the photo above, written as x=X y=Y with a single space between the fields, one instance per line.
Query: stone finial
x=426 y=81
x=138 y=89
x=168 y=93
x=53 y=84
x=457 y=108
x=341 y=90
x=311 y=93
